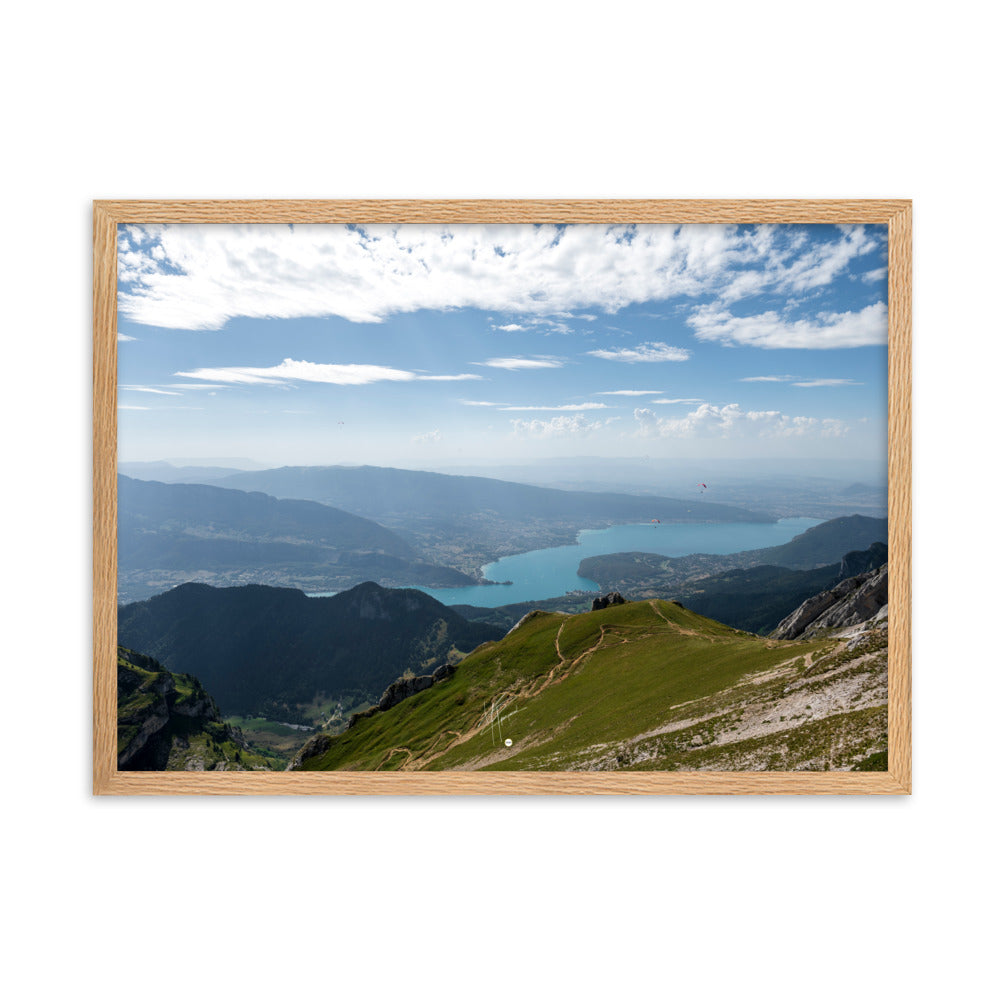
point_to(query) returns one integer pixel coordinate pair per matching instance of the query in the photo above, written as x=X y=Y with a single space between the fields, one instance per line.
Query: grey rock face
x=850 y=602
x=399 y=690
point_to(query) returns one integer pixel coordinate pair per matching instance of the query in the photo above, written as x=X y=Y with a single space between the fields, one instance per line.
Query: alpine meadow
x=503 y=497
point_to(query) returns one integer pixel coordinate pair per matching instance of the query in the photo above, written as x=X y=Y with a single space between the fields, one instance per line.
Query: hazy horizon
x=732 y=467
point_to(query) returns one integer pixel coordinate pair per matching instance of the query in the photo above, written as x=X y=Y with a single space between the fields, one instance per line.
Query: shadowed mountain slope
x=268 y=651
x=169 y=722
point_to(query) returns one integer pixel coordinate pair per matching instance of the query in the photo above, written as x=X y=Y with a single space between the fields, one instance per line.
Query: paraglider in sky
x=704 y=486
x=655 y=520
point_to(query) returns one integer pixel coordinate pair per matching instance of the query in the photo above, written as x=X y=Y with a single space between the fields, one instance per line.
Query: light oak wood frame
x=897 y=215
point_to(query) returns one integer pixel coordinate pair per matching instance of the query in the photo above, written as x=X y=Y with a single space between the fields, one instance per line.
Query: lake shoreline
x=541 y=574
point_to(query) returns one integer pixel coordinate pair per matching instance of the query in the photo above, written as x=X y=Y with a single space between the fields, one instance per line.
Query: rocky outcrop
x=144 y=697
x=852 y=601
x=600 y=603
x=168 y=721
x=313 y=747
x=358 y=716
x=402 y=689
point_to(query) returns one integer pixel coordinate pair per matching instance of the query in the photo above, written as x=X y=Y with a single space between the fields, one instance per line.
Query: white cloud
x=544 y=323
x=198 y=277
x=476 y=402
x=655 y=351
x=520 y=364
x=124 y=338
x=629 y=392
x=769 y=378
x=567 y=406
x=878 y=274
x=731 y=421
x=869 y=326
x=813 y=383
x=577 y=425
x=429 y=437
x=302 y=371
x=196 y=385
x=555 y=326
x=147 y=388
x=671 y=401
x=309 y=371
x=782 y=259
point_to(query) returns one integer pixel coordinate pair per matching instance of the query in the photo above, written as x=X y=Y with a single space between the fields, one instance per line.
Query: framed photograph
x=502 y=497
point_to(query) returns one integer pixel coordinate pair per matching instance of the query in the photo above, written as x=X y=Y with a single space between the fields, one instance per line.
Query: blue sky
x=430 y=346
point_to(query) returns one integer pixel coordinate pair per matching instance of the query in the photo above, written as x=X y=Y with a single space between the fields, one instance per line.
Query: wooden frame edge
x=274 y=211
x=108 y=214
x=105 y=460
x=376 y=783
x=900 y=495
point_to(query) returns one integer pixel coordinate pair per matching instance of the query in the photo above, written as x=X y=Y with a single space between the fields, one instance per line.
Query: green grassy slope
x=644 y=684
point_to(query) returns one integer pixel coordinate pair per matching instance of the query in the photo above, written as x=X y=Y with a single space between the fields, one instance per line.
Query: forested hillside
x=273 y=652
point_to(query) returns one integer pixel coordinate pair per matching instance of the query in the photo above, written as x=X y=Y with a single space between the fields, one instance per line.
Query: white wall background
x=680 y=897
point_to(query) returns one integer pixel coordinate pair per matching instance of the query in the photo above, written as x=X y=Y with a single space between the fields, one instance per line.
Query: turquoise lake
x=546 y=573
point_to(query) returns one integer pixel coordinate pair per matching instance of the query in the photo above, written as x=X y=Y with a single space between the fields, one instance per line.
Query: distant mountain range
x=462 y=522
x=273 y=652
x=777 y=489
x=174 y=533
x=167 y=472
x=380 y=492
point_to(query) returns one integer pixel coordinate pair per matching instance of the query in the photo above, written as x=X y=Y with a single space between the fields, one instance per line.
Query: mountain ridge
x=400 y=491
x=644 y=685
